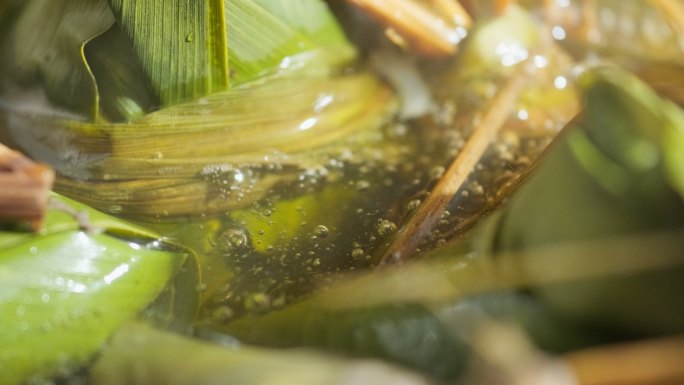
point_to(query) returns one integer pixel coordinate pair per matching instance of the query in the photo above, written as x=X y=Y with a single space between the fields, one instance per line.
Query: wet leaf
x=65 y=290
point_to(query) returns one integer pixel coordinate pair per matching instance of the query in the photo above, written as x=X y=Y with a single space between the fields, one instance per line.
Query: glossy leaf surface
x=64 y=290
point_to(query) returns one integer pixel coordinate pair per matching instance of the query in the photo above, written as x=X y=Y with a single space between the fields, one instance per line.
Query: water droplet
x=115 y=209
x=322 y=101
x=560 y=82
x=558 y=32
x=189 y=38
x=321 y=231
x=437 y=172
x=257 y=302
x=33 y=250
x=385 y=227
x=362 y=185
x=358 y=254
x=478 y=189
x=511 y=52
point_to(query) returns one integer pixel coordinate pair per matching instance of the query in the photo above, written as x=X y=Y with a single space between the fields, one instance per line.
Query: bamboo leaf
x=175 y=161
x=181 y=46
x=65 y=290
x=269 y=37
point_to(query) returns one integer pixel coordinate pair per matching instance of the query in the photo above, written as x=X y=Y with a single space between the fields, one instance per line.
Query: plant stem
x=430 y=34
x=649 y=362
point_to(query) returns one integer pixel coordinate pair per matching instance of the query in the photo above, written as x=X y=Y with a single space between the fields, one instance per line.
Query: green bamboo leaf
x=269 y=37
x=65 y=290
x=181 y=46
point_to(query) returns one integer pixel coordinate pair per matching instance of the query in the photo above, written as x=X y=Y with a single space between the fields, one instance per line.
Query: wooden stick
x=430 y=34
x=454 y=11
x=24 y=188
x=658 y=361
x=502 y=5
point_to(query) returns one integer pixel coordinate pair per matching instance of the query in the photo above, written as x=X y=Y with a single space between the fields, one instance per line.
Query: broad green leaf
x=64 y=290
x=309 y=17
x=652 y=127
x=620 y=163
x=180 y=45
x=270 y=37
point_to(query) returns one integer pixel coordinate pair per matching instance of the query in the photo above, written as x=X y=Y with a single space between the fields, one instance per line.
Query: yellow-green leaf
x=269 y=37
x=65 y=290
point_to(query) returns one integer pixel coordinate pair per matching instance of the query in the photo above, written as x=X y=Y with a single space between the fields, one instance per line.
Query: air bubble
x=413 y=205
x=385 y=227
x=257 y=302
x=362 y=185
x=222 y=314
x=321 y=231
x=233 y=239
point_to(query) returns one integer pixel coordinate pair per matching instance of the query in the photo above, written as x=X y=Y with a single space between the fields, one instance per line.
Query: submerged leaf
x=179 y=160
x=139 y=355
x=590 y=258
x=65 y=290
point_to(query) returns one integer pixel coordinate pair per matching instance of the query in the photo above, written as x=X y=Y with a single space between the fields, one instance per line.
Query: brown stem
x=500 y=6
x=656 y=361
x=24 y=188
x=455 y=11
x=430 y=211
x=430 y=34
